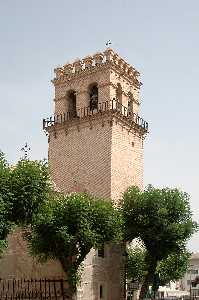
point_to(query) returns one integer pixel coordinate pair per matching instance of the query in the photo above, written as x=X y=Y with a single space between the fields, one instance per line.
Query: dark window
x=72 y=104
x=101 y=251
x=93 y=97
x=101 y=292
x=119 y=93
x=130 y=104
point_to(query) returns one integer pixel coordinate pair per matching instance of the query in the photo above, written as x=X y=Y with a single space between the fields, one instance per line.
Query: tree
x=5 y=205
x=136 y=266
x=172 y=268
x=162 y=219
x=30 y=187
x=23 y=189
x=67 y=227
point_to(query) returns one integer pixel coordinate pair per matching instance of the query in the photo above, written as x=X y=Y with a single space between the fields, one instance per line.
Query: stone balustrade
x=97 y=60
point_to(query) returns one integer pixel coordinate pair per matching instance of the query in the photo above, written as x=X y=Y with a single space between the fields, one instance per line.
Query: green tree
x=162 y=219
x=136 y=266
x=67 y=227
x=23 y=189
x=174 y=266
x=5 y=205
x=30 y=186
x=171 y=268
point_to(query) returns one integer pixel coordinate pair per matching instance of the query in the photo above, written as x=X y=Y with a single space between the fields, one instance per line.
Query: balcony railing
x=113 y=106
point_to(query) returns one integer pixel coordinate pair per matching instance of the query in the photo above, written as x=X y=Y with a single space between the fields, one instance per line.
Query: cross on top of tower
x=108 y=43
x=25 y=150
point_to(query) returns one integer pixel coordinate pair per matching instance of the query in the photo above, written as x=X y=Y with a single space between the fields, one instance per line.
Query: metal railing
x=80 y=113
x=37 y=289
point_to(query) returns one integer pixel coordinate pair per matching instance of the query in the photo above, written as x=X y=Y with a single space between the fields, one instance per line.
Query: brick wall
x=17 y=263
x=81 y=160
x=126 y=160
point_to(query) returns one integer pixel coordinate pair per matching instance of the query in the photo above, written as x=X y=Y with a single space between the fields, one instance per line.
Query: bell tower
x=96 y=145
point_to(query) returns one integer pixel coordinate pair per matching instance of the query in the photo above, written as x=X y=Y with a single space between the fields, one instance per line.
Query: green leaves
x=67 y=227
x=174 y=266
x=5 y=205
x=160 y=217
x=136 y=266
x=30 y=187
x=23 y=189
x=171 y=268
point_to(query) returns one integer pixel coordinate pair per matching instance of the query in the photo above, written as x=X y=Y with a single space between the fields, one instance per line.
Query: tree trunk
x=70 y=292
x=147 y=279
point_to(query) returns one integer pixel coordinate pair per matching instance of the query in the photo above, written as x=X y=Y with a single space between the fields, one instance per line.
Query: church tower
x=96 y=145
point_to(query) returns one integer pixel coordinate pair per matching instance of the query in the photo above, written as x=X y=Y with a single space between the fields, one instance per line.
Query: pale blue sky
x=160 y=38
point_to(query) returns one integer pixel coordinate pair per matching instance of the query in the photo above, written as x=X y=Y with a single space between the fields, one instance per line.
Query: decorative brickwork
x=98 y=148
x=95 y=145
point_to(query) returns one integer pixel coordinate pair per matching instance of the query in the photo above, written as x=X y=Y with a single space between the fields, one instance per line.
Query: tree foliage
x=67 y=227
x=171 y=268
x=30 y=186
x=5 y=205
x=23 y=189
x=136 y=266
x=174 y=266
x=162 y=219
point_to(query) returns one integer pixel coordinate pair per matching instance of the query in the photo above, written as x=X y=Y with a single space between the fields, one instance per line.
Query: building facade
x=191 y=274
x=96 y=145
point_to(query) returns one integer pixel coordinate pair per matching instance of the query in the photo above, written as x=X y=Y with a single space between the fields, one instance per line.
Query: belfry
x=96 y=145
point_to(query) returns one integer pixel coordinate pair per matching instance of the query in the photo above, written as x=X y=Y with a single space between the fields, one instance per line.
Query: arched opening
x=72 y=104
x=93 y=95
x=130 y=104
x=119 y=93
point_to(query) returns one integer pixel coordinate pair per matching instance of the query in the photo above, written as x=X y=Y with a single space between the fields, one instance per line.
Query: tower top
x=93 y=63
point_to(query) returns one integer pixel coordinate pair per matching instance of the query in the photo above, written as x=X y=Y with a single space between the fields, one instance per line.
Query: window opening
x=72 y=104
x=94 y=97
x=119 y=93
x=101 y=292
x=130 y=105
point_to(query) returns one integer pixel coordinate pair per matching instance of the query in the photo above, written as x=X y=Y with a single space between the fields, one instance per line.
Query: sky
x=159 y=38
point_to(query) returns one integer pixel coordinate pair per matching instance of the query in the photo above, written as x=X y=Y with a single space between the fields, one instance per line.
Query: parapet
x=93 y=63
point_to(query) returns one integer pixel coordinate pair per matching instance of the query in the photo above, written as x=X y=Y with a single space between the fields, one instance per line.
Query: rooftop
x=91 y=63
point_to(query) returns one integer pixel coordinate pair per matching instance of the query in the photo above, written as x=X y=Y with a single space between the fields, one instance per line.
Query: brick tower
x=96 y=145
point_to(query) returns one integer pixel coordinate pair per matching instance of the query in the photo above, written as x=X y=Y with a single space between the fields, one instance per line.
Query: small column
x=130 y=71
x=88 y=61
x=68 y=69
x=121 y=64
x=77 y=65
x=109 y=53
x=58 y=72
x=98 y=57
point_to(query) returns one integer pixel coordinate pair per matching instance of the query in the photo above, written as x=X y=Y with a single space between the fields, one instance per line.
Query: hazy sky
x=159 y=37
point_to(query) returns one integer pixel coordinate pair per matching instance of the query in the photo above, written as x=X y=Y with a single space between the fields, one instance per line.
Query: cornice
x=95 y=63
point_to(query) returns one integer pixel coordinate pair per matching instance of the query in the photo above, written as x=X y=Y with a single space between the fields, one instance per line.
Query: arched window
x=119 y=93
x=93 y=94
x=72 y=104
x=130 y=104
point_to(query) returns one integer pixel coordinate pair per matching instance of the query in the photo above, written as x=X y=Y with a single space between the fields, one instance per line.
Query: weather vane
x=25 y=150
x=108 y=43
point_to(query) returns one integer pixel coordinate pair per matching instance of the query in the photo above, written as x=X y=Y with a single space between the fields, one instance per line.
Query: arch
x=93 y=96
x=119 y=93
x=130 y=104
x=72 y=103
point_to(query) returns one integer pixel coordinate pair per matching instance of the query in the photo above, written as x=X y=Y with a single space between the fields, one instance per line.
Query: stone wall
x=16 y=262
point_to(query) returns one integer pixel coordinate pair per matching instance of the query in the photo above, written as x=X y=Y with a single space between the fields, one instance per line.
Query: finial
x=108 y=43
x=25 y=150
